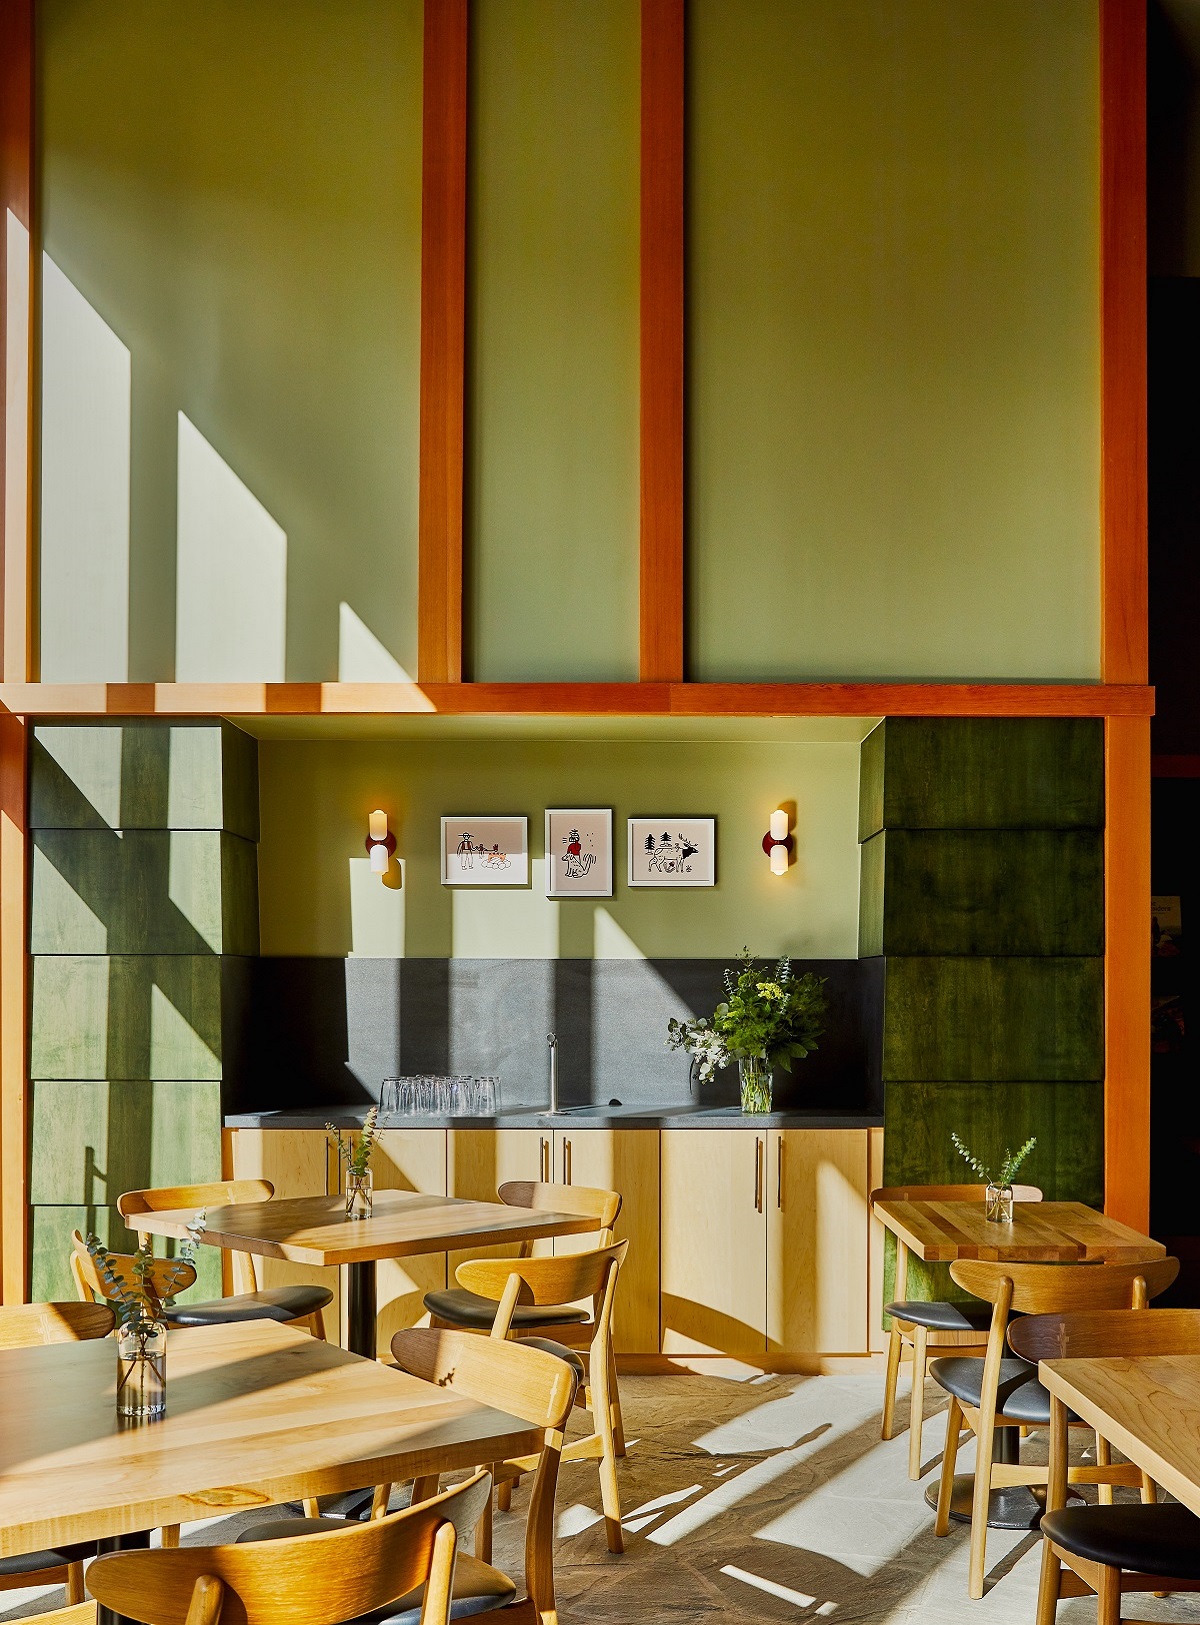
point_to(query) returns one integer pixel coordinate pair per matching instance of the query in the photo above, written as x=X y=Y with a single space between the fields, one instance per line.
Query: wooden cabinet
x=298 y=1163
x=479 y=1160
x=625 y=1161
x=764 y=1241
x=407 y=1160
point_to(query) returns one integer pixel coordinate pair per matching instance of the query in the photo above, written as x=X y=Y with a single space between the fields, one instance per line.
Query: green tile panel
x=50 y=1251
x=986 y=892
x=982 y=773
x=92 y=1140
x=993 y=1019
x=137 y=1016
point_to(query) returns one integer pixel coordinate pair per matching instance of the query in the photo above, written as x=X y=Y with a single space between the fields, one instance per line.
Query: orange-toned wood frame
x=1122 y=698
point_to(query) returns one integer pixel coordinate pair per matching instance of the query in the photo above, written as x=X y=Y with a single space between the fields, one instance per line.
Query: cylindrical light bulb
x=378 y=825
x=779 y=859
x=379 y=859
x=779 y=826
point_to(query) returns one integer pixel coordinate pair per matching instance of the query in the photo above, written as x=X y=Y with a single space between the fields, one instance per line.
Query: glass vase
x=360 y=1195
x=998 y=1204
x=757 y=1080
x=142 y=1368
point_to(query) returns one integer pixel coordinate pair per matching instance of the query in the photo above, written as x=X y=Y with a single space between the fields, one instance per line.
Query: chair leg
x=890 y=1383
x=170 y=1536
x=618 y=1421
x=483 y=1533
x=312 y=1507
x=1149 y=1491
x=954 y=1419
x=1108 y=1597
x=916 y=1404
x=1048 y=1585
x=1104 y=1459
x=979 y=1508
x=316 y=1325
x=424 y=1489
x=75 y=1592
x=610 y=1495
x=504 y=1494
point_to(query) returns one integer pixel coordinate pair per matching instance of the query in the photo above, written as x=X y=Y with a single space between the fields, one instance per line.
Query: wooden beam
x=14 y=1046
x=580 y=699
x=443 y=326
x=1127 y=971
x=18 y=283
x=662 y=294
x=1123 y=473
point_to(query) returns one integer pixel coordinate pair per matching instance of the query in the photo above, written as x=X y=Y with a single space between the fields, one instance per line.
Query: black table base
x=1013 y=1506
x=360 y=1309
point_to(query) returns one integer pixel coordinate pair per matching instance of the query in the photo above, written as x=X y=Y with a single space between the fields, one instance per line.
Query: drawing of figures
x=466 y=851
x=670 y=857
x=495 y=859
x=579 y=863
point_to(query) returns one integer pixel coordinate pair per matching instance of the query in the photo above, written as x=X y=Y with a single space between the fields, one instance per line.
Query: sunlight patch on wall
x=172 y=1034
x=91 y=759
x=362 y=658
x=505 y=922
x=190 y=883
x=58 y=902
x=610 y=941
x=85 y=448
x=231 y=578
x=376 y=912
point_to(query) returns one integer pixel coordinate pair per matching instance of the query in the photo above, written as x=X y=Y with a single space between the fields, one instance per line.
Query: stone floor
x=763 y=1499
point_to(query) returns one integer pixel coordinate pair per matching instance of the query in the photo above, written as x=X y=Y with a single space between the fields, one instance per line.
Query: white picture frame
x=579 y=852
x=485 y=850
x=672 y=852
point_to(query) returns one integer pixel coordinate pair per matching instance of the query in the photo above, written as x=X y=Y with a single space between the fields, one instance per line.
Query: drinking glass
x=487 y=1096
x=389 y=1097
x=406 y=1102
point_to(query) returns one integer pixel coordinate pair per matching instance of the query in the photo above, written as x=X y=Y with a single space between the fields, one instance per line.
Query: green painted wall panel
x=553 y=333
x=93 y=1140
x=982 y=892
x=50 y=1247
x=982 y=773
x=995 y=1019
x=893 y=353
x=130 y=1016
x=141 y=774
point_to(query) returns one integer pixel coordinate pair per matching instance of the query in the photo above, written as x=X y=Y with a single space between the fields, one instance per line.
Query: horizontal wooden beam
x=579 y=699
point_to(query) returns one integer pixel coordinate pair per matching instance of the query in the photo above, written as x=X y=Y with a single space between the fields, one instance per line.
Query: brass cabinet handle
x=758 y=1174
x=545 y=1159
x=779 y=1175
x=566 y=1162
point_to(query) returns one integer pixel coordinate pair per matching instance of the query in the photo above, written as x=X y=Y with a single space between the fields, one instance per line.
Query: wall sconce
x=778 y=843
x=380 y=844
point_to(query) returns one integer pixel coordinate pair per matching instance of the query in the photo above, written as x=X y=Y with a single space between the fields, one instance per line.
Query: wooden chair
x=512 y=1282
x=999 y=1393
x=342 y=1573
x=288 y=1304
x=929 y=1325
x=1109 y=1550
x=567 y=1323
x=29 y=1325
x=526 y=1382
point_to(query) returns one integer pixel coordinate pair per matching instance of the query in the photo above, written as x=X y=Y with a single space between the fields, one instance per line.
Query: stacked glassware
x=432 y=1095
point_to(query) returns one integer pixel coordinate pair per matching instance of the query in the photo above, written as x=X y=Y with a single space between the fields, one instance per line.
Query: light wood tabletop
x=257 y=1414
x=1040 y=1232
x=317 y=1230
x=1148 y=1407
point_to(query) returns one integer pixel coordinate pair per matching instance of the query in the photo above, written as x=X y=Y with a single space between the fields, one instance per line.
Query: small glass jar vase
x=142 y=1368
x=360 y=1195
x=998 y=1204
x=757 y=1081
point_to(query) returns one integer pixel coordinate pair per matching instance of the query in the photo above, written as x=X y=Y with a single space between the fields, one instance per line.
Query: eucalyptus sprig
x=138 y=1305
x=356 y=1153
x=1012 y=1161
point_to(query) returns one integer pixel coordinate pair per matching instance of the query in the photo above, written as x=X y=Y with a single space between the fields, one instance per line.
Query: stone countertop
x=529 y=1117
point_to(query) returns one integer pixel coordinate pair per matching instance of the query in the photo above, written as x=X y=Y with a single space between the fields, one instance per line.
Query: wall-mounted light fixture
x=778 y=843
x=380 y=843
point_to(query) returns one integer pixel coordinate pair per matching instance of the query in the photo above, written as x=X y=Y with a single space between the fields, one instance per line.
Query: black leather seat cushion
x=1148 y=1540
x=944 y=1317
x=478 y=1588
x=572 y=1356
x=32 y=1562
x=280 y=1303
x=468 y=1309
x=1019 y=1396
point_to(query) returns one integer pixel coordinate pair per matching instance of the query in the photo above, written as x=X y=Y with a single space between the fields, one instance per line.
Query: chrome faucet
x=552 y=1041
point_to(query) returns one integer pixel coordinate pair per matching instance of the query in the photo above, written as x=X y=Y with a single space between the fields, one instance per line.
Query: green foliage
x=138 y=1305
x=356 y=1152
x=1012 y=1161
x=777 y=1018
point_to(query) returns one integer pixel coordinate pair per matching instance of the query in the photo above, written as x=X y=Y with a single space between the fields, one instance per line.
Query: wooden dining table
x=1040 y=1233
x=257 y=1414
x=318 y=1230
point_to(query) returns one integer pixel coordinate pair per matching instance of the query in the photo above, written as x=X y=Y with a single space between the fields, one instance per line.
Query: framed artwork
x=485 y=851
x=579 y=857
x=672 y=852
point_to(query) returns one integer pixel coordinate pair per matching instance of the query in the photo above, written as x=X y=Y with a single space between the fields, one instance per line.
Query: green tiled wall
x=144 y=881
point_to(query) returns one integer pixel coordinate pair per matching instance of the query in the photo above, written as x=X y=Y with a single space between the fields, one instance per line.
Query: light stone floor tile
x=763 y=1501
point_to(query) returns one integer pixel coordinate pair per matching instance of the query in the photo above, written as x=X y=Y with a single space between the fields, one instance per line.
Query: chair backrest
x=167 y=1275
x=26 y=1325
x=319 y=1579
x=948 y=1193
x=1106 y=1334
x=603 y=1206
x=527 y=1382
x=1035 y=1289
x=215 y=1193
x=558 y=1280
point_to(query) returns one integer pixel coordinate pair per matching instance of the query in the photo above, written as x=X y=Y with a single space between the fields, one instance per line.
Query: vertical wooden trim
x=662 y=293
x=1127 y=970
x=14 y=1049
x=1123 y=339
x=18 y=281
x=443 y=326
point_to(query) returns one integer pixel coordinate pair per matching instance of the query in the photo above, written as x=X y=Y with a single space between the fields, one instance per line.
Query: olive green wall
x=892 y=350
x=318 y=896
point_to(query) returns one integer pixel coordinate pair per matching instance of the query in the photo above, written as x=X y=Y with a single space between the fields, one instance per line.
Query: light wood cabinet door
x=876 y=1242
x=298 y=1163
x=479 y=1160
x=407 y=1160
x=817 y=1226
x=713 y=1241
x=626 y=1161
